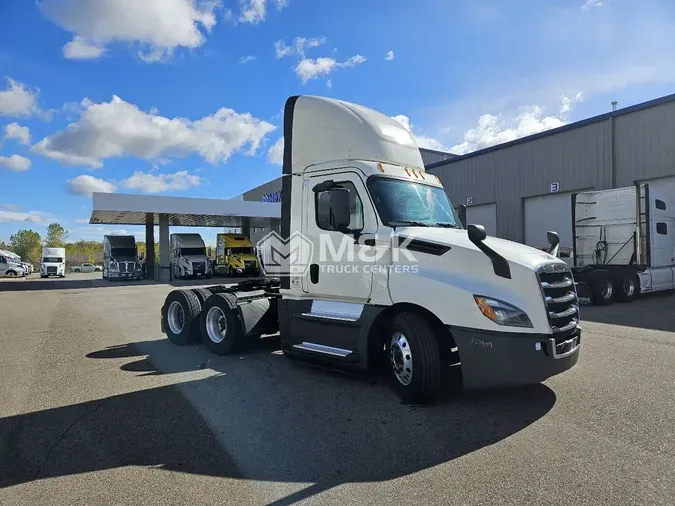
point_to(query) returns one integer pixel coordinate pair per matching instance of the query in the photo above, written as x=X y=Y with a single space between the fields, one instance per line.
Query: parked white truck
x=53 y=262
x=11 y=265
x=120 y=257
x=623 y=243
x=404 y=283
x=189 y=256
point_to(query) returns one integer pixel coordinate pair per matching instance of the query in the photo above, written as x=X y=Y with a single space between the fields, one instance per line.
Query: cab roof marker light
x=422 y=175
x=437 y=179
x=380 y=166
x=415 y=173
x=407 y=171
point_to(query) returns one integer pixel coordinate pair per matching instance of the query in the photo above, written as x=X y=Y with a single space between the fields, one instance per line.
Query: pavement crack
x=62 y=436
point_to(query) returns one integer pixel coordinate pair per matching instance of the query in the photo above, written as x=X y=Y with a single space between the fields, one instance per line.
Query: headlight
x=502 y=313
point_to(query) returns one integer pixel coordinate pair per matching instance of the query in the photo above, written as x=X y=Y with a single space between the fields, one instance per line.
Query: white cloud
x=158 y=183
x=10 y=207
x=86 y=185
x=16 y=163
x=282 y=49
x=389 y=56
x=118 y=128
x=255 y=11
x=82 y=221
x=492 y=130
x=276 y=152
x=246 y=59
x=422 y=140
x=590 y=4
x=160 y=26
x=299 y=46
x=80 y=49
x=308 y=69
x=29 y=217
x=17 y=100
x=18 y=132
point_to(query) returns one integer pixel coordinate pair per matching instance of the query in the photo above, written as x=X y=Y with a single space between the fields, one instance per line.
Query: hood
x=514 y=252
x=124 y=259
x=195 y=258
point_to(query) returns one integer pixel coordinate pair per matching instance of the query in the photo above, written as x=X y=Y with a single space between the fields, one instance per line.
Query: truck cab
x=10 y=265
x=189 y=256
x=235 y=255
x=374 y=266
x=53 y=262
x=120 y=257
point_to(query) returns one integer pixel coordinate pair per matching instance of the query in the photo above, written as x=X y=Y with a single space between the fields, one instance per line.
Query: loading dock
x=542 y=213
x=483 y=214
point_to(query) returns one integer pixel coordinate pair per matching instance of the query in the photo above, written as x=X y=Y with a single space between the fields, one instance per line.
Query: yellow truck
x=235 y=255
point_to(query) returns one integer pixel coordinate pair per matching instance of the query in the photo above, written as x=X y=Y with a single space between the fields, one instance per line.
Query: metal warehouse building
x=521 y=189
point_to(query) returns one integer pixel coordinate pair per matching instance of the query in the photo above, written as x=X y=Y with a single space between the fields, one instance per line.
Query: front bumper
x=124 y=275
x=510 y=359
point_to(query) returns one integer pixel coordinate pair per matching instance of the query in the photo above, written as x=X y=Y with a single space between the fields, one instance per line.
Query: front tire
x=181 y=317
x=414 y=358
x=221 y=328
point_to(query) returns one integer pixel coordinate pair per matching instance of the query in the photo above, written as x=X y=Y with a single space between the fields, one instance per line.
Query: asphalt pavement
x=96 y=407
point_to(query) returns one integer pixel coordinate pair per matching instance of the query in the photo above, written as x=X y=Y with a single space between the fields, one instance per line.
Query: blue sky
x=184 y=97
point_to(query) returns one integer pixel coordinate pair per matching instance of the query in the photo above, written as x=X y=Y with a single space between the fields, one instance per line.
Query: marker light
x=407 y=171
x=501 y=312
x=380 y=166
x=422 y=175
x=415 y=173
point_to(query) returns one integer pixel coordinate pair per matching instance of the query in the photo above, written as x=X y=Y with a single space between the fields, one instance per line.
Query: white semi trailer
x=623 y=243
x=374 y=265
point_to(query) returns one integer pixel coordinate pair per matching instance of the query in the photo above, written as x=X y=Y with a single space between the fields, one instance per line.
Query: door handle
x=314 y=273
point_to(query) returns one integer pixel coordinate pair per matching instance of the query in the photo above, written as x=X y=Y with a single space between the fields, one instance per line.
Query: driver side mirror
x=208 y=252
x=554 y=242
x=476 y=233
x=461 y=212
x=339 y=208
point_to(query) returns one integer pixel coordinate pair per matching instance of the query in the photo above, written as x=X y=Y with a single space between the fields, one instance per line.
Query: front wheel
x=414 y=358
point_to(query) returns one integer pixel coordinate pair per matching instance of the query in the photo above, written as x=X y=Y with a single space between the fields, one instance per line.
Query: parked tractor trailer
x=373 y=266
x=623 y=243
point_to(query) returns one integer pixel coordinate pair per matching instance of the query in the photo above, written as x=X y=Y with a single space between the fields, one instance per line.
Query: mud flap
x=161 y=320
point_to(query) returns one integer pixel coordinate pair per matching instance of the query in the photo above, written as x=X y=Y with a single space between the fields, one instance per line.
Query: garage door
x=548 y=212
x=484 y=214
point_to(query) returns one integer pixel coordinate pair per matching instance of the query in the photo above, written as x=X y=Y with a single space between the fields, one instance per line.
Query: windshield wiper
x=408 y=222
x=446 y=224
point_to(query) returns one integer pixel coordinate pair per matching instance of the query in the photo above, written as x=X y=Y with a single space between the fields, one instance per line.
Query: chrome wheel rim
x=176 y=317
x=606 y=289
x=400 y=358
x=628 y=287
x=216 y=324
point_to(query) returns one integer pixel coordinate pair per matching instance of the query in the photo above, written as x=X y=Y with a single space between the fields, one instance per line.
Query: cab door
x=662 y=231
x=341 y=265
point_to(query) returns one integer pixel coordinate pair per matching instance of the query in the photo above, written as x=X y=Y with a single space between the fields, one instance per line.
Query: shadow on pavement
x=655 y=311
x=283 y=422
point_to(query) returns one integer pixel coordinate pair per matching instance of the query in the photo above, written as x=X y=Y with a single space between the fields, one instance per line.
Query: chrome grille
x=560 y=295
x=51 y=270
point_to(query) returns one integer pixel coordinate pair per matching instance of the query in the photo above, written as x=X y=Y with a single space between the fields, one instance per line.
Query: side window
x=3 y=260
x=662 y=228
x=660 y=204
x=322 y=203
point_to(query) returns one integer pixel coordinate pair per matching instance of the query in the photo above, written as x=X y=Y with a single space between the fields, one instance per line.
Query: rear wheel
x=220 y=325
x=627 y=286
x=603 y=290
x=181 y=317
x=202 y=294
x=414 y=358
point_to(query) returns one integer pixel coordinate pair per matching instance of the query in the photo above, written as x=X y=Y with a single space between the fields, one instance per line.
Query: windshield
x=242 y=251
x=123 y=252
x=193 y=251
x=52 y=260
x=401 y=203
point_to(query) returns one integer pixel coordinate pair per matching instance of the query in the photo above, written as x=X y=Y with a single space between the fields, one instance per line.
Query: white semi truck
x=189 y=256
x=374 y=266
x=53 y=262
x=11 y=265
x=623 y=243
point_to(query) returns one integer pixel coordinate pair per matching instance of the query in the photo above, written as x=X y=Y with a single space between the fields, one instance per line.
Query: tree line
x=28 y=245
